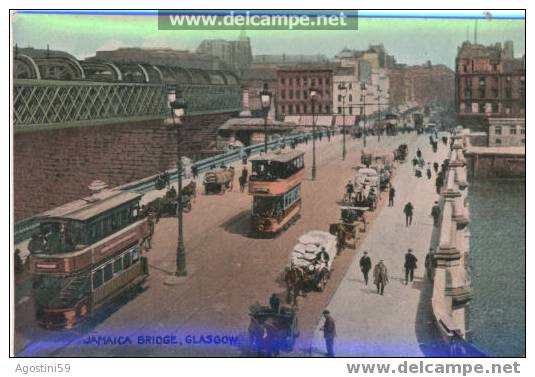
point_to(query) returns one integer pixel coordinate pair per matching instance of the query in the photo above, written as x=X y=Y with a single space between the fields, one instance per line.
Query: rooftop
x=91 y=206
x=279 y=157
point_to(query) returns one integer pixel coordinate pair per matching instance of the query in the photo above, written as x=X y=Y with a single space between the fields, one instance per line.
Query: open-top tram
x=275 y=184
x=87 y=253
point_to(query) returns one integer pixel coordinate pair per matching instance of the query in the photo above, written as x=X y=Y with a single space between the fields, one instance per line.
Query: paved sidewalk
x=396 y=324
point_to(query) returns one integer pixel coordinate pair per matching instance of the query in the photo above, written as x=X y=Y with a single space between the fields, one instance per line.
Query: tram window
x=117 y=265
x=108 y=272
x=127 y=261
x=97 y=278
x=135 y=255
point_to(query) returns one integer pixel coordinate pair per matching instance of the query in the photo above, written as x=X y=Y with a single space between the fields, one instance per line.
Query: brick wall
x=54 y=167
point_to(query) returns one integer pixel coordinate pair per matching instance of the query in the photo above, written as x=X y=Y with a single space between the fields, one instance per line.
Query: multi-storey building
x=490 y=82
x=294 y=83
x=236 y=54
x=425 y=84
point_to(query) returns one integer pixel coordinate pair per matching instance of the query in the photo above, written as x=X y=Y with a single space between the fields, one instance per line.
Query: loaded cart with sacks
x=217 y=181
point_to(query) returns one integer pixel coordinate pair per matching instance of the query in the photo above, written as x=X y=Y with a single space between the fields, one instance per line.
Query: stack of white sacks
x=305 y=251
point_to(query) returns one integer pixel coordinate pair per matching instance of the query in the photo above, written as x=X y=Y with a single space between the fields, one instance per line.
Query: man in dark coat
x=410 y=266
x=365 y=266
x=329 y=332
x=435 y=212
x=391 y=194
x=380 y=277
x=408 y=210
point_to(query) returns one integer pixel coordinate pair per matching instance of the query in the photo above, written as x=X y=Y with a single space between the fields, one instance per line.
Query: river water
x=497 y=313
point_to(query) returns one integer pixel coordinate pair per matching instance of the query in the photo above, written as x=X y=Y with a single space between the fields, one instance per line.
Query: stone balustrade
x=451 y=283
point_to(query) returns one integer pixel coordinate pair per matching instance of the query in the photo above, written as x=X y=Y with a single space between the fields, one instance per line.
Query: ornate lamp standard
x=364 y=131
x=177 y=106
x=343 y=92
x=265 y=101
x=313 y=98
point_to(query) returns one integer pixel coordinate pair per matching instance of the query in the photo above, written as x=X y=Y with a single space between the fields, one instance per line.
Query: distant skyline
x=410 y=41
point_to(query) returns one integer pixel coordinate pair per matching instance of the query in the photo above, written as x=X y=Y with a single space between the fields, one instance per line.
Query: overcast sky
x=411 y=41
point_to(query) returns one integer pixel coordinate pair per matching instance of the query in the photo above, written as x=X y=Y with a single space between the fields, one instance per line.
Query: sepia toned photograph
x=268 y=183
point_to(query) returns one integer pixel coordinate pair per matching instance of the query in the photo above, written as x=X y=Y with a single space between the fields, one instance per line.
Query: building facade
x=424 y=84
x=293 y=85
x=237 y=55
x=507 y=132
x=489 y=83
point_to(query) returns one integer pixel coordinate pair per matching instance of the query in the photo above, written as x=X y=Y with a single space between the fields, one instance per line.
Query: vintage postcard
x=268 y=183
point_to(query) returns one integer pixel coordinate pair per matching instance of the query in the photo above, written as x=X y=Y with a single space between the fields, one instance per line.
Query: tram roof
x=279 y=157
x=91 y=206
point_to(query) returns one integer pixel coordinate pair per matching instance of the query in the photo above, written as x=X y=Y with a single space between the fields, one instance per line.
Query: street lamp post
x=313 y=96
x=178 y=105
x=364 y=131
x=343 y=92
x=379 y=113
x=265 y=101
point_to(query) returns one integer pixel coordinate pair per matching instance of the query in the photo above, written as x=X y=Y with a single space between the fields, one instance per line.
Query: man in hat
x=365 y=266
x=329 y=332
x=380 y=276
x=408 y=210
x=435 y=212
x=410 y=266
x=391 y=195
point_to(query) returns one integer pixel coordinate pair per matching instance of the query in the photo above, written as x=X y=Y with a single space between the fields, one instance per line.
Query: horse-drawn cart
x=271 y=331
x=218 y=181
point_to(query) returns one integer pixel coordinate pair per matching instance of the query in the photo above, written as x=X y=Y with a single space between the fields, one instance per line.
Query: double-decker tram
x=275 y=184
x=86 y=254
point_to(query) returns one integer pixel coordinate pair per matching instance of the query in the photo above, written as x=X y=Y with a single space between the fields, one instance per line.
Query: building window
x=349 y=86
x=290 y=109
x=350 y=111
x=512 y=130
x=305 y=94
x=494 y=107
x=522 y=131
x=290 y=81
x=283 y=109
x=523 y=141
x=508 y=110
x=481 y=81
x=326 y=81
x=481 y=107
x=283 y=94
x=327 y=109
x=498 y=130
x=498 y=141
x=298 y=108
x=298 y=94
x=291 y=94
x=339 y=98
x=350 y=98
x=282 y=81
x=339 y=110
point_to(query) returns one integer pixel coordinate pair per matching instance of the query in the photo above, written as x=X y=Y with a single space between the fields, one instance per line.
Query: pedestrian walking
x=391 y=194
x=365 y=266
x=435 y=212
x=408 y=210
x=429 y=173
x=242 y=180
x=435 y=167
x=419 y=153
x=439 y=182
x=151 y=220
x=380 y=277
x=194 y=171
x=410 y=266
x=329 y=332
